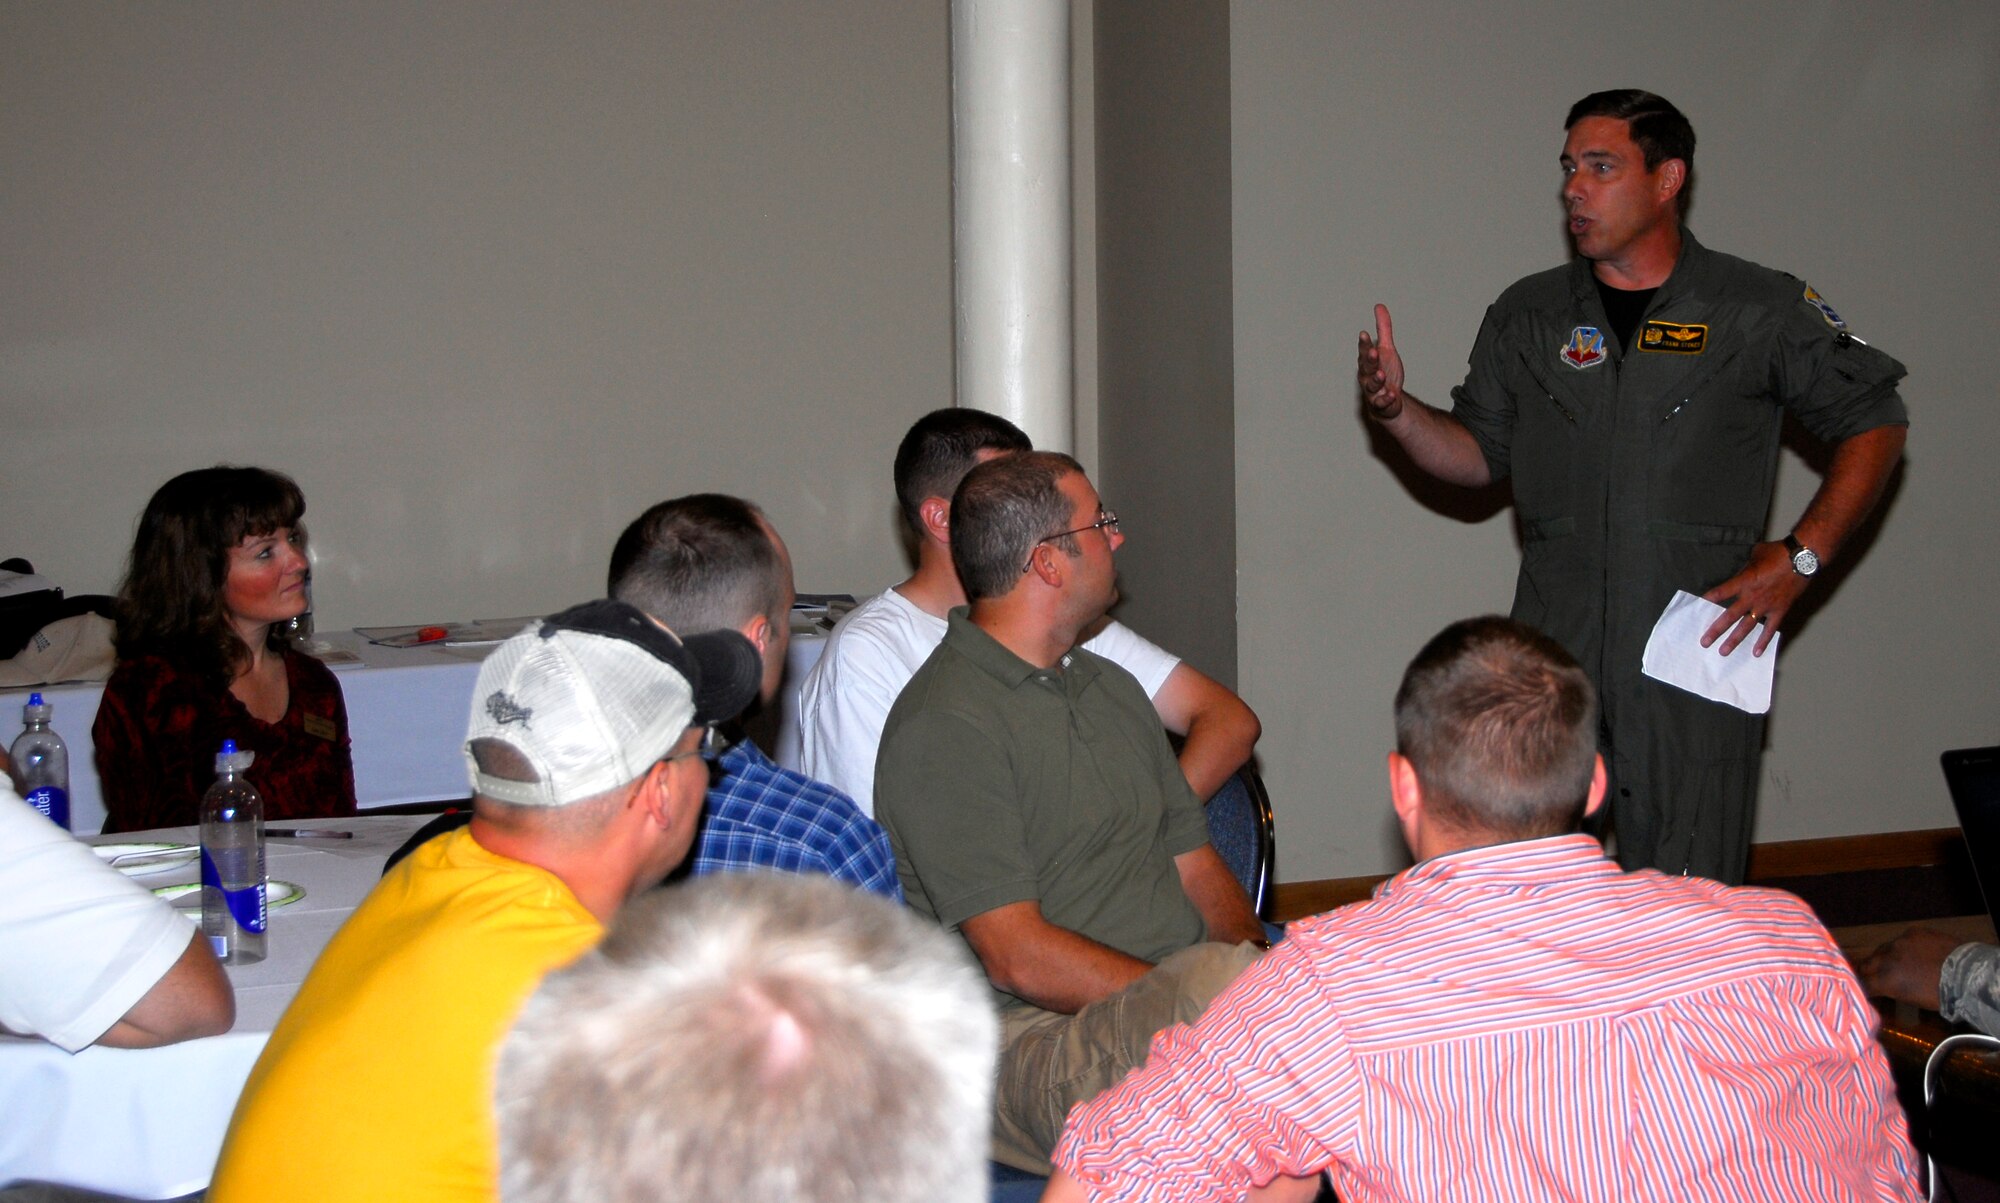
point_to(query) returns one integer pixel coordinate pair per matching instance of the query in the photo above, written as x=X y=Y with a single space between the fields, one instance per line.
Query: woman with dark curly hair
x=217 y=568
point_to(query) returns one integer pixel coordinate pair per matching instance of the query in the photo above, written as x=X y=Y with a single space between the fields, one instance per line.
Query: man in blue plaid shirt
x=710 y=562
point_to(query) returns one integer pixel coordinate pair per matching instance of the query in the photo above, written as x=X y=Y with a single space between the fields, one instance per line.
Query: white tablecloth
x=149 y=1122
x=406 y=712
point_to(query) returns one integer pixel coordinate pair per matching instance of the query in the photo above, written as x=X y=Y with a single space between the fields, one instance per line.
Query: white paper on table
x=1674 y=654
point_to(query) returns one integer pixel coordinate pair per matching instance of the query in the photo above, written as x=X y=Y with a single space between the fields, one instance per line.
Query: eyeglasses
x=1106 y=522
x=710 y=748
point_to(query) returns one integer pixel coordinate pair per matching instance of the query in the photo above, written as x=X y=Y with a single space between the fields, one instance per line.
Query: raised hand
x=1379 y=370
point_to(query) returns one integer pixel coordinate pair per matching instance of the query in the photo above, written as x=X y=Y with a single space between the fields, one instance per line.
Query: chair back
x=1243 y=832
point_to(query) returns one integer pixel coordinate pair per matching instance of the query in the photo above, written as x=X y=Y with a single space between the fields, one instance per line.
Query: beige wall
x=489 y=279
x=1405 y=153
x=486 y=279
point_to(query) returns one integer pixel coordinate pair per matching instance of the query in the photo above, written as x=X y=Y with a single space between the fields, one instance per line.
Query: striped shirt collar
x=1554 y=858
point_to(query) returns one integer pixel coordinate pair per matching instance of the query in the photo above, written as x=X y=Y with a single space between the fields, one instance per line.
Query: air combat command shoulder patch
x=1674 y=338
x=1584 y=349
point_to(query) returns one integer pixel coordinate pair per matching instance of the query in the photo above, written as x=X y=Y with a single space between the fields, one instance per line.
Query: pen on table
x=307 y=833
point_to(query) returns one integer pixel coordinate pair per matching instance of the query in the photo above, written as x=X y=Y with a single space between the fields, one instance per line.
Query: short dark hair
x=1501 y=727
x=941 y=448
x=1660 y=130
x=170 y=602
x=699 y=563
x=1002 y=509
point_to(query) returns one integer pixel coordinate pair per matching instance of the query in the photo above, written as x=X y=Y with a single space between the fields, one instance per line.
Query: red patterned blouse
x=160 y=725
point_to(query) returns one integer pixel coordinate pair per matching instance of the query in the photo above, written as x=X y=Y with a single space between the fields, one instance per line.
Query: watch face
x=1805 y=561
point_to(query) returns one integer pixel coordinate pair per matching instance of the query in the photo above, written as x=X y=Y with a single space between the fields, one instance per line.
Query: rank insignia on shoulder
x=1674 y=338
x=1584 y=349
x=1825 y=310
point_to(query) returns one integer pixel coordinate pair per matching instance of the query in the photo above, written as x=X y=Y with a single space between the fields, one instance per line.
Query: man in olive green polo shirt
x=1036 y=808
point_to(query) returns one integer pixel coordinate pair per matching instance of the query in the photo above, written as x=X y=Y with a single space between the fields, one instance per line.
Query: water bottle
x=232 y=861
x=41 y=763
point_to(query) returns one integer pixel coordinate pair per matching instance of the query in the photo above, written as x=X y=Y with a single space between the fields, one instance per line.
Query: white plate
x=135 y=859
x=188 y=894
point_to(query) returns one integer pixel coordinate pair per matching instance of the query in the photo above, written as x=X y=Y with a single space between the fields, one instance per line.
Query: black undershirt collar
x=1623 y=307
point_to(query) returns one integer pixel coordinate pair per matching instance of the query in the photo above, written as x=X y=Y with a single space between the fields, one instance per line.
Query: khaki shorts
x=1050 y=1062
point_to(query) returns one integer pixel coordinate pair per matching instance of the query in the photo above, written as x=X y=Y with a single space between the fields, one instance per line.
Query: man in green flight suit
x=1635 y=399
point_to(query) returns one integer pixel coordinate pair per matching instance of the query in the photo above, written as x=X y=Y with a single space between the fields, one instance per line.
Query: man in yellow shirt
x=585 y=755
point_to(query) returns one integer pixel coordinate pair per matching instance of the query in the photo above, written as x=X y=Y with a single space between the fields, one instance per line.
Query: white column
x=1011 y=213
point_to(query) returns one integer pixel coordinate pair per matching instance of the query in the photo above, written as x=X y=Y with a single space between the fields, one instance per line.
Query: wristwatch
x=1805 y=561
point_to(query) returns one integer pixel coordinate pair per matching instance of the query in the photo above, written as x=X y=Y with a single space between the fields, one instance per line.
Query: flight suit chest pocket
x=1692 y=393
x=1558 y=449
x=1542 y=399
x=1711 y=446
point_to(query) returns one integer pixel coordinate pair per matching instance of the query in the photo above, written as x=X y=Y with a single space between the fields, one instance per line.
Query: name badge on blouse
x=320 y=726
x=1675 y=338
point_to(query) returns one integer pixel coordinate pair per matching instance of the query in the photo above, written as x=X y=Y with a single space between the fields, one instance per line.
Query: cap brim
x=732 y=674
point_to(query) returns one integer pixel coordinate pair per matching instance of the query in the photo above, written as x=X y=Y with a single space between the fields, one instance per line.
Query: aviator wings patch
x=1674 y=338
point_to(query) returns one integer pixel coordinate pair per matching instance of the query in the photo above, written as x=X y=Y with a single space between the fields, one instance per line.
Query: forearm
x=193 y=999
x=1219 y=729
x=1438 y=443
x=1052 y=967
x=1235 y=922
x=1765 y=588
x=1074 y=972
x=1861 y=467
x=1218 y=897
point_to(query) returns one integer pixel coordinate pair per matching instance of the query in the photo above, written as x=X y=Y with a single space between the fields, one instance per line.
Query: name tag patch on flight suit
x=1584 y=349
x=1674 y=338
x=319 y=726
x=1825 y=310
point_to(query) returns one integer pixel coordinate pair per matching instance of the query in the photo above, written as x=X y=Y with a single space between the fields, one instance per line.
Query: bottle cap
x=36 y=710
x=229 y=760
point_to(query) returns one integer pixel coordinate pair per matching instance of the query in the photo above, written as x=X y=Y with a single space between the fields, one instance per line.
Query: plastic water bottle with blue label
x=41 y=763
x=233 y=911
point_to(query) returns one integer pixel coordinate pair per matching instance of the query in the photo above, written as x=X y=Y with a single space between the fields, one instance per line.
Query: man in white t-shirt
x=88 y=956
x=878 y=647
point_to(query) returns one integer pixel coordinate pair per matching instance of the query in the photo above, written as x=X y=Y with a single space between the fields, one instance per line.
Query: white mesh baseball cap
x=591 y=698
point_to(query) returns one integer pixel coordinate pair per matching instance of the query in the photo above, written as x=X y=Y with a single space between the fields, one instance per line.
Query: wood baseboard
x=1856 y=853
x=1297 y=899
x=1787 y=858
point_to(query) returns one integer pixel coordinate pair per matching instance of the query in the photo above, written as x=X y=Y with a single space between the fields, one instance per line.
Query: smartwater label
x=53 y=804
x=246 y=903
x=246 y=906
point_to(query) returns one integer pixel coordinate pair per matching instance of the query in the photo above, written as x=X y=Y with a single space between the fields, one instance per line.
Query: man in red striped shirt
x=1513 y=1017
